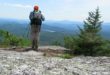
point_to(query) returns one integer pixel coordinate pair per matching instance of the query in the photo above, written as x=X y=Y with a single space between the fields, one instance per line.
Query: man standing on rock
x=36 y=19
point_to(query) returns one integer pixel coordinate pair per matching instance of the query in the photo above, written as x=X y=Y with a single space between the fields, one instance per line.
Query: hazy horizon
x=74 y=10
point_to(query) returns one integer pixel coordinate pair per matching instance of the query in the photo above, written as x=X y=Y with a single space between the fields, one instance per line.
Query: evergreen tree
x=90 y=39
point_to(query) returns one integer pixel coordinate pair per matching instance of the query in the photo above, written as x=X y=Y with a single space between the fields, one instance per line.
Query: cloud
x=16 y=5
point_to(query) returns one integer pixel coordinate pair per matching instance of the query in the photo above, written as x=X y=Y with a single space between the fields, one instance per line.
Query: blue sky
x=75 y=10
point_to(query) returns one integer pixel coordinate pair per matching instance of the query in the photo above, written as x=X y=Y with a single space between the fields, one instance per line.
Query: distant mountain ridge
x=53 y=30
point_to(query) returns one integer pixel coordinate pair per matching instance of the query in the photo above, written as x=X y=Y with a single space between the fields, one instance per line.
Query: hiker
x=36 y=19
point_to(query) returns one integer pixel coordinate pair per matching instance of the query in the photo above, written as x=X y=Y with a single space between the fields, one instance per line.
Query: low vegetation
x=66 y=56
x=7 y=39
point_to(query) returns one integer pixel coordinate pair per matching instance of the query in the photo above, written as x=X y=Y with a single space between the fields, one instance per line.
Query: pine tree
x=90 y=39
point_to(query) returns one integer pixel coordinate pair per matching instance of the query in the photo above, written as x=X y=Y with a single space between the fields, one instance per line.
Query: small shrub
x=8 y=39
x=66 y=56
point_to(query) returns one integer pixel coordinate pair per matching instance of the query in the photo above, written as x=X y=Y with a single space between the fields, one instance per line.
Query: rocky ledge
x=34 y=63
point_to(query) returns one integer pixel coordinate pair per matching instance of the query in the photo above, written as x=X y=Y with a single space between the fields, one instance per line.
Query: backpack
x=35 y=19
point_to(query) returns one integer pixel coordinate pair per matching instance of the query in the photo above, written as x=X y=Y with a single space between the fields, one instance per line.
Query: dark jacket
x=36 y=18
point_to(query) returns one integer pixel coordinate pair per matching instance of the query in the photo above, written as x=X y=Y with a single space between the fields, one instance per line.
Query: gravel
x=34 y=63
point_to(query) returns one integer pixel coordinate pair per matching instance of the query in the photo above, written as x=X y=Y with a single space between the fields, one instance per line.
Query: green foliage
x=9 y=39
x=66 y=56
x=89 y=41
x=56 y=43
x=105 y=49
x=69 y=42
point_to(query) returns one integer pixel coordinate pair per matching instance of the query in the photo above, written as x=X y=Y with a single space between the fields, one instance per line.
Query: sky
x=74 y=10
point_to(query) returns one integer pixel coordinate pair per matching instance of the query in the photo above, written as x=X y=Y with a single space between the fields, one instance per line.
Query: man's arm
x=31 y=15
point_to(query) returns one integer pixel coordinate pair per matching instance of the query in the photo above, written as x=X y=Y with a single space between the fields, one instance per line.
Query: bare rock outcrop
x=34 y=63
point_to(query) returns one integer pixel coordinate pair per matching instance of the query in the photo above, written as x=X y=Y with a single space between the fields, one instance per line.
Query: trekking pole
x=28 y=30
